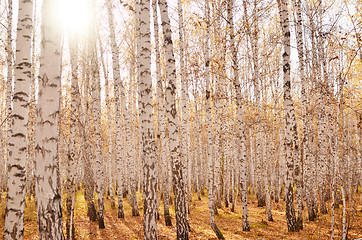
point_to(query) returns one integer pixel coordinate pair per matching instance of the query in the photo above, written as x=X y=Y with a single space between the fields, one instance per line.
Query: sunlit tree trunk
x=96 y=111
x=109 y=162
x=164 y=137
x=73 y=153
x=209 y=123
x=305 y=143
x=266 y=173
x=131 y=131
x=171 y=112
x=32 y=107
x=17 y=131
x=88 y=145
x=146 y=124
x=323 y=148
x=48 y=198
x=131 y=134
x=120 y=107
x=184 y=133
x=241 y=132
x=290 y=122
x=9 y=60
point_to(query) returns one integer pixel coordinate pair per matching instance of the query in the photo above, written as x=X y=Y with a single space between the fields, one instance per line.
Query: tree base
x=92 y=214
x=135 y=213
x=168 y=220
x=246 y=228
x=120 y=213
x=312 y=217
x=261 y=202
x=101 y=223
x=299 y=224
x=217 y=231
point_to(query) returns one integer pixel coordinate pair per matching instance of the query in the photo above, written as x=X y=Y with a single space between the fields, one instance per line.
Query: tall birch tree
x=119 y=98
x=290 y=122
x=241 y=132
x=171 y=113
x=146 y=124
x=49 y=208
x=17 y=132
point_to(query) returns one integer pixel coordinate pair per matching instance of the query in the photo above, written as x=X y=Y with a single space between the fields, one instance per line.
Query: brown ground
x=229 y=223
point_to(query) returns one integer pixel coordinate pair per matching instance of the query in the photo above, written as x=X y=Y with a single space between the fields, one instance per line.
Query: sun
x=74 y=15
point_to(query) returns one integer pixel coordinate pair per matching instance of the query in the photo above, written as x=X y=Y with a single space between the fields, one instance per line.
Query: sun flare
x=74 y=16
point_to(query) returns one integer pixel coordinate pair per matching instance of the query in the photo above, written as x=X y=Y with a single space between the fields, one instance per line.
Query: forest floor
x=229 y=223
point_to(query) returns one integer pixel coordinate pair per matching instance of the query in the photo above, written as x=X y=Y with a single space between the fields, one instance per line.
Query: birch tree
x=209 y=122
x=73 y=152
x=17 y=131
x=48 y=196
x=241 y=132
x=171 y=113
x=290 y=122
x=146 y=123
x=120 y=104
x=96 y=97
x=164 y=137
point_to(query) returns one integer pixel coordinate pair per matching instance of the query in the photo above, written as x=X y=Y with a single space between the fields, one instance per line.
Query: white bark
x=240 y=132
x=290 y=122
x=48 y=196
x=17 y=131
x=150 y=194
x=177 y=168
x=120 y=107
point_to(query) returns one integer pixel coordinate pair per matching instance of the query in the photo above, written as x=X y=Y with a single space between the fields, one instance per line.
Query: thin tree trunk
x=209 y=122
x=120 y=149
x=241 y=133
x=305 y=147
x=9 y=60
x=162 y=123
x=177 y=168
x=88 y=145
x=74 y=135
x=290 y=122
x=96 y=109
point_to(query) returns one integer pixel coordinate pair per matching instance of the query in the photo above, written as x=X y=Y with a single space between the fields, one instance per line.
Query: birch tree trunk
x=17 y=131
x=146 y=124
x=97 y=113
x=241 y=133
x=96 y=97
x=48 y=197
x=177 y=166
x=9 y=60
x=184 y=133
x=164 y=137
x=88 y=145
x=73 y=153
x=305 y=143
x=290 y=122
x=120 y=104
x=209 y=122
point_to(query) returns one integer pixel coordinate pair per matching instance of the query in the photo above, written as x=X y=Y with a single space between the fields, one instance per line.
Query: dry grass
x=229 y=223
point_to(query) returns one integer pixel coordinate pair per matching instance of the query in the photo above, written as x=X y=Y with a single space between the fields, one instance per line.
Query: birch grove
x=171 y=119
